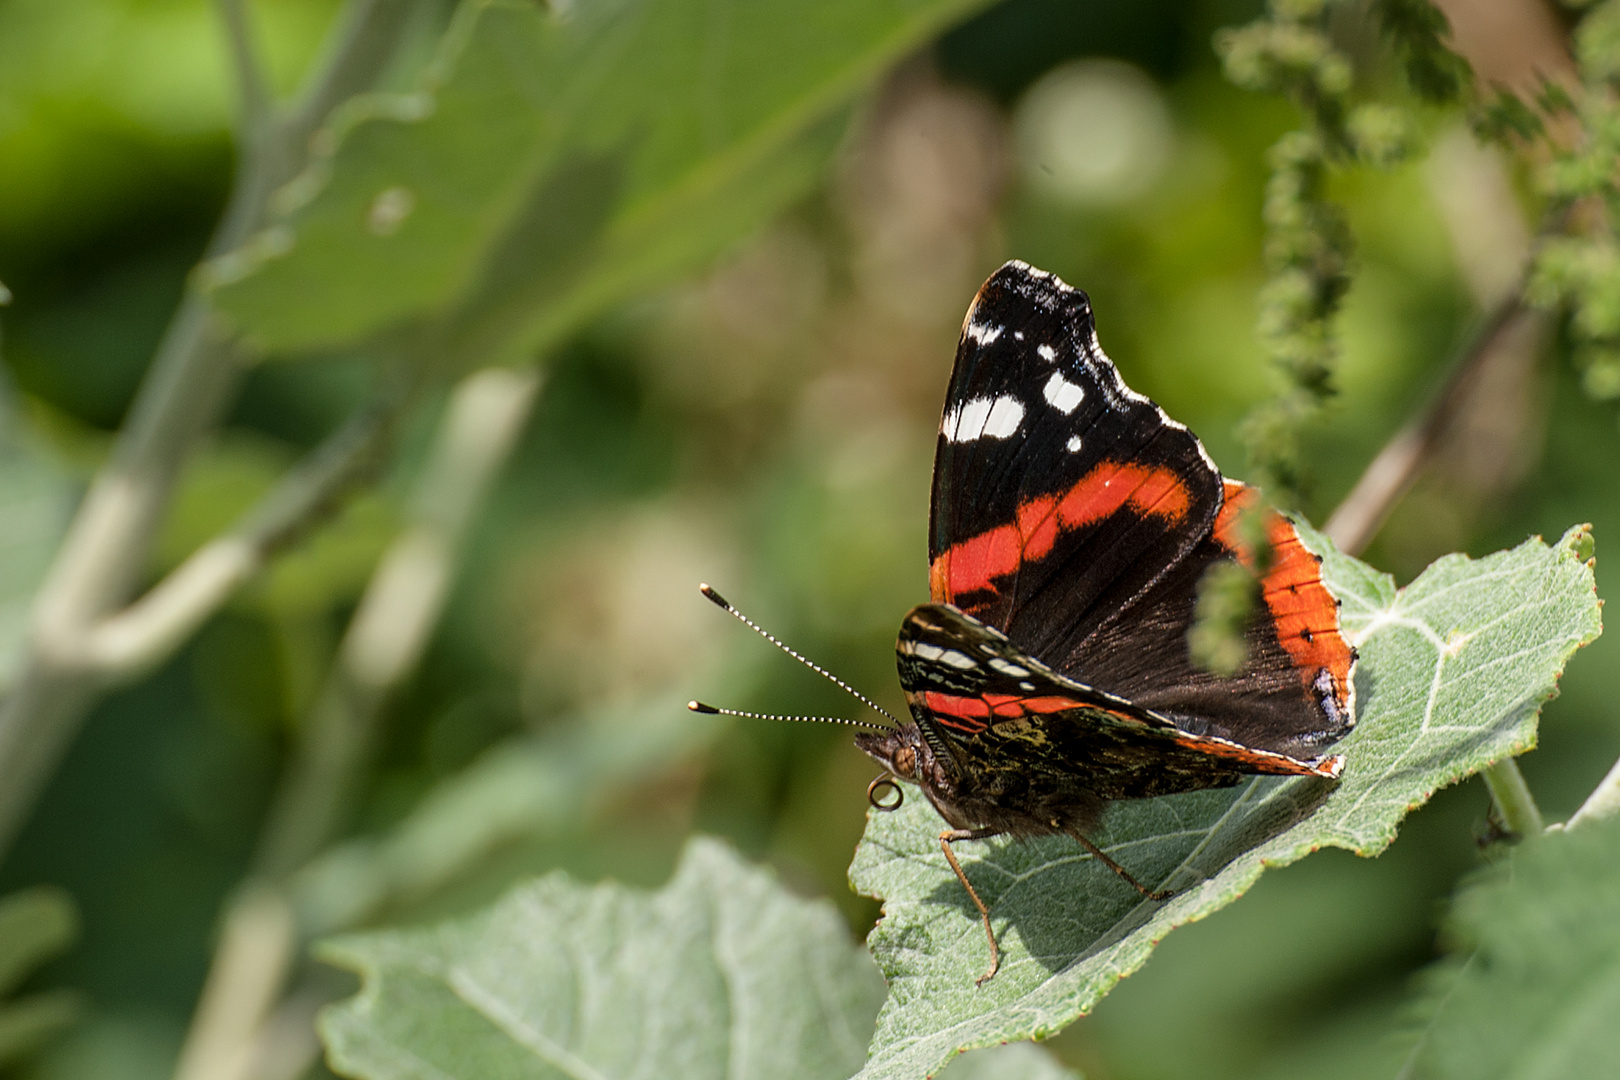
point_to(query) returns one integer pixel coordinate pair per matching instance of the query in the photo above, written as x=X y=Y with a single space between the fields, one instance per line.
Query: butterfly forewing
x=1057 y=489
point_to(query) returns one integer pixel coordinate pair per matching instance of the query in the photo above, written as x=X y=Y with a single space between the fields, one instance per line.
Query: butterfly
x=1071 y=523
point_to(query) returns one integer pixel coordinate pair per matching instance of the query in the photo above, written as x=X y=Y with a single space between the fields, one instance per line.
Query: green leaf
x=722 y=973
x=559 y=160
x=35 y=925
x=1454 y=669
x=1533 y=989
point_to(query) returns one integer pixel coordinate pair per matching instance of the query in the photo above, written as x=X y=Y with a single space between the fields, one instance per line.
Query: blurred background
x=766 y=426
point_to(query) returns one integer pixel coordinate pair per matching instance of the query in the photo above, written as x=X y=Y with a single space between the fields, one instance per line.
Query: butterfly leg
x=946 y=838
x=1100 y=856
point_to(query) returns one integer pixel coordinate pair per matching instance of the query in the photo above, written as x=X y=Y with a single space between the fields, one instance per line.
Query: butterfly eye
x=875 y=793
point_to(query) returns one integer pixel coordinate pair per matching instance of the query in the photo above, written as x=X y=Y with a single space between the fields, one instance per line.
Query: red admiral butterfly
x=1071 y=523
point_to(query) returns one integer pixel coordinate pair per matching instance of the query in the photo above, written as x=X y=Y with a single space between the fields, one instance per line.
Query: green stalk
x=1515 y=806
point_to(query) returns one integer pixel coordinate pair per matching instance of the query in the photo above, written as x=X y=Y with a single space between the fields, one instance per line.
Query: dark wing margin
x=1060 y=495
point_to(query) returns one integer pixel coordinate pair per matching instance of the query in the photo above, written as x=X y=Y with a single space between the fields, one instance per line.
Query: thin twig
x=148 y=631
x=1602 y=803
x=252 y=87
x=1391 y=474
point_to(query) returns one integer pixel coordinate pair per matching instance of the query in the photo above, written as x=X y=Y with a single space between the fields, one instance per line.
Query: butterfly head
x=905 y=753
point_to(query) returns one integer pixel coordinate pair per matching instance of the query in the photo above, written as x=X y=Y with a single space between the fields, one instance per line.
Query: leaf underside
x=721 y=975
x=1452 y=674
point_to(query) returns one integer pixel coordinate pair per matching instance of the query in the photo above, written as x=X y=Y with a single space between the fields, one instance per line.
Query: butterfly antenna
x=715 y=710
x=721 y=602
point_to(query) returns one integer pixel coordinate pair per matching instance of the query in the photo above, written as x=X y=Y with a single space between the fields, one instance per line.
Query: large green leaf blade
x=720 y=974
x=1453 y=671
x=1534 y=987
x=555 y=163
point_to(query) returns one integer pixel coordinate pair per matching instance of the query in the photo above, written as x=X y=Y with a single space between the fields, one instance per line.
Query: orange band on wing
x=1304 y=613
x=974 y=714
x=1262 y=761
x=974 y=563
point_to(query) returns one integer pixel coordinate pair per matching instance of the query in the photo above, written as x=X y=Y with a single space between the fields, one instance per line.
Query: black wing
x=1060 y=495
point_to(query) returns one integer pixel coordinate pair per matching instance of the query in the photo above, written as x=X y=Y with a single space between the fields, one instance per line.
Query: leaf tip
x=1579 y=543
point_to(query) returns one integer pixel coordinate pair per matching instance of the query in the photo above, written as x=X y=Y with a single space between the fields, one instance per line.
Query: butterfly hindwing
x=1293 y=694
x=1010 y=722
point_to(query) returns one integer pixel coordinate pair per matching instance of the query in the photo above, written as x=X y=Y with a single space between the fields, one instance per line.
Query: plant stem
x=1603 y=802
x=255 y=947
x=75 y=658
x=384 y=643
x=149 y=630
x=192 y=381
x=1385 y=481
x=401 y=605
x=105 y=551
x=1515 y=806
x=1391 y=474
x=251 y=85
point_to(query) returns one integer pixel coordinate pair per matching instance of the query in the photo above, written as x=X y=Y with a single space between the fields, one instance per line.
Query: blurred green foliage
x=1538 y=933
x=765 y=425
x=35 y=924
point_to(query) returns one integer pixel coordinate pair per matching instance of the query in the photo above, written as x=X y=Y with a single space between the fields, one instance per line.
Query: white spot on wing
x=991 y=418
x=946 y=656
x=1074 y=444
x=982 y=333
x=1005 y=416
x=1046 y=352
x=1063 y=395
x=1007 y=667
